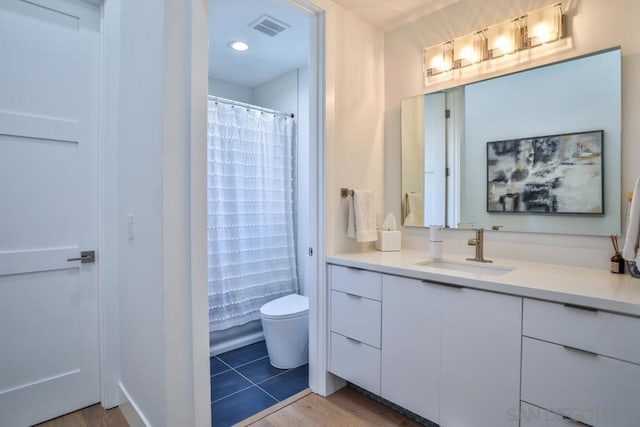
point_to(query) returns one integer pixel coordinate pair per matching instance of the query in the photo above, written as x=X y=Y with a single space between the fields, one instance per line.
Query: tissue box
x=388 y=240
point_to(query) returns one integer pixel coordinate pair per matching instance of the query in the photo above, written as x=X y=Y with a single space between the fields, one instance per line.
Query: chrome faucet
x=478 y=242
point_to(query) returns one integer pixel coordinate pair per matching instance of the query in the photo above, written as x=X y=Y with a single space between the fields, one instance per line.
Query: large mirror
x=534 y=151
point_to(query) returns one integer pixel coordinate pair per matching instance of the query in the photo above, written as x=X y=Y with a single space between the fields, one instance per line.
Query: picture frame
x=558 y=174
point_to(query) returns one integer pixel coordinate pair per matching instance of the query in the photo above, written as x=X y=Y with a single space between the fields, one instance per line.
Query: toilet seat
x=287 y=307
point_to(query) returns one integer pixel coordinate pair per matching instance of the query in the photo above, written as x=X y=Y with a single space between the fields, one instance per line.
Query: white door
x=49 y=63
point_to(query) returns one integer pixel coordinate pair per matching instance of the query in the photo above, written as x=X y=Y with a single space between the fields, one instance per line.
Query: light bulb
x=238 y=46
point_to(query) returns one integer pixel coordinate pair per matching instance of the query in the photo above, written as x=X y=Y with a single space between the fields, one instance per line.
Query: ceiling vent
x=269 y=25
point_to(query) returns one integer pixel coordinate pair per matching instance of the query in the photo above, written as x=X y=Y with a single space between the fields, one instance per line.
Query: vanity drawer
x=355 y=362
x=609 y=334
x=532 y=416
x=356 y=317
x=593 y=389
x=357 y=282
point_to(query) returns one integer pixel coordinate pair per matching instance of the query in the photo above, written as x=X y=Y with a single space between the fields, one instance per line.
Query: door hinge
x=310 y=251
x=447 y=114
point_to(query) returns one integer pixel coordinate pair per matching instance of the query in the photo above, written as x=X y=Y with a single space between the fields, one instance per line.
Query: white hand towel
x=630 y=249
x=415 y=206
x=364 y=206
x=410 y=220
x=351 y=220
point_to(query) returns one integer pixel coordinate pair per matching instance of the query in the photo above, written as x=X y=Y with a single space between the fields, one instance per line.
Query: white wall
x=162 y=314
x=593 y=25
x=354 y=120
x=230 y=90
x=141 y=302
x=279 y=94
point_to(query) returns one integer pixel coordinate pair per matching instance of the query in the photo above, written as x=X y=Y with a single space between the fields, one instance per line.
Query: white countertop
x=573 y=285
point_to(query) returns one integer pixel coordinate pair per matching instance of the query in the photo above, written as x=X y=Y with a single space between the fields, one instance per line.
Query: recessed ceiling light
x=239 y=46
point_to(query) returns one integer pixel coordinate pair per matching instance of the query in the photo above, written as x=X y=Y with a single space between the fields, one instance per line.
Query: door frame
x=315 y=288
x=108 y=205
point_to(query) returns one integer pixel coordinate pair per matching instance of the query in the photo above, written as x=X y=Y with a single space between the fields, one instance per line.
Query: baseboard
x=415 y=417
x=131 y=411
x=216 y=348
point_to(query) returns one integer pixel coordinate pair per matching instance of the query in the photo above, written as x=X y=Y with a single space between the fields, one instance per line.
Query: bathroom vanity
x=507 y=344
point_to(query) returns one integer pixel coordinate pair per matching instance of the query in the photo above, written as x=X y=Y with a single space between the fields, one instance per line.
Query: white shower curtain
x=251 y=212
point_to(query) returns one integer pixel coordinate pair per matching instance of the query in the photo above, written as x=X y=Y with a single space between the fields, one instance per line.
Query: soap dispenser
x=435 y=242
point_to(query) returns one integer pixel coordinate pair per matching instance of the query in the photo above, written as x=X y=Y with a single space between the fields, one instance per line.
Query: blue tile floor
x=243 y=383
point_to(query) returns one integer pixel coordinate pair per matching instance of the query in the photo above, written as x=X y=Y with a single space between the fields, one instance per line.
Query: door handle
x=85 y=257
x=581 y=307
x=576 y=422
x=579 y=350
x=446 y=285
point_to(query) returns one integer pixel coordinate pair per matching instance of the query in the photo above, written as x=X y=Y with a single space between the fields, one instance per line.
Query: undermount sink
x=467 y=267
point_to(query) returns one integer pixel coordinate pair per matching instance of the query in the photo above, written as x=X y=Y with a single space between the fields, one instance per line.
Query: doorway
x=274 y=73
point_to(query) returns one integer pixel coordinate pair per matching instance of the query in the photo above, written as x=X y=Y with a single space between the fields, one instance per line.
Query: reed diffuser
x=617 y=262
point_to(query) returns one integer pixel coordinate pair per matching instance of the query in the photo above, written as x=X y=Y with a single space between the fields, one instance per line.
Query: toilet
x=285 y=322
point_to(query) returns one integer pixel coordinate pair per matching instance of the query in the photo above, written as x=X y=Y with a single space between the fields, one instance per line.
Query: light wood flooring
x=91 y=416
x=344 y=408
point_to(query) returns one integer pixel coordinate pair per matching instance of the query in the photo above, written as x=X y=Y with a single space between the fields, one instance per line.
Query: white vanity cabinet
x=581 y=363
x=480 y=359
x=411 y=312
x=465 y=348
x=355 y=323
x=451 y=354
x=446 y=353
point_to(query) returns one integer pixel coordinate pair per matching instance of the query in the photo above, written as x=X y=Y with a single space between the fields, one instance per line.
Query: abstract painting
x=556 y=174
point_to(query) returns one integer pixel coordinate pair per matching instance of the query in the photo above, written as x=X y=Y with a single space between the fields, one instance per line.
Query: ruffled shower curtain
x=251 y=212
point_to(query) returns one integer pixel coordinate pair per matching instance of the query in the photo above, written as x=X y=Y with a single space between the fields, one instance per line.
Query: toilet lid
x=286 y=306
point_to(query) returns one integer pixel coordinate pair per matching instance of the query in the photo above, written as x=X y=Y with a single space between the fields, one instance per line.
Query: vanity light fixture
x=469 y=49
x=238 y=45
x=503 y=38
x=544 y=25
x=439 y=58
x=535 y=28
x=447 y=55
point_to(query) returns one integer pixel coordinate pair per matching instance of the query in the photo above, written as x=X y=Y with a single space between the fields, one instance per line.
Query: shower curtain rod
x=249 y=106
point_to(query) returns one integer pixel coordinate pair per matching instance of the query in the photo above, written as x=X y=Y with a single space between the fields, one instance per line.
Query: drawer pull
x=576 y=422
x=579 y=350
x=446 y=285
x=354 y=340
x=353 y=295
x=581 y=307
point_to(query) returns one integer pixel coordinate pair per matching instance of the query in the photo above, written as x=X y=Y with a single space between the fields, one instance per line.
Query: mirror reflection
x=446 y=135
